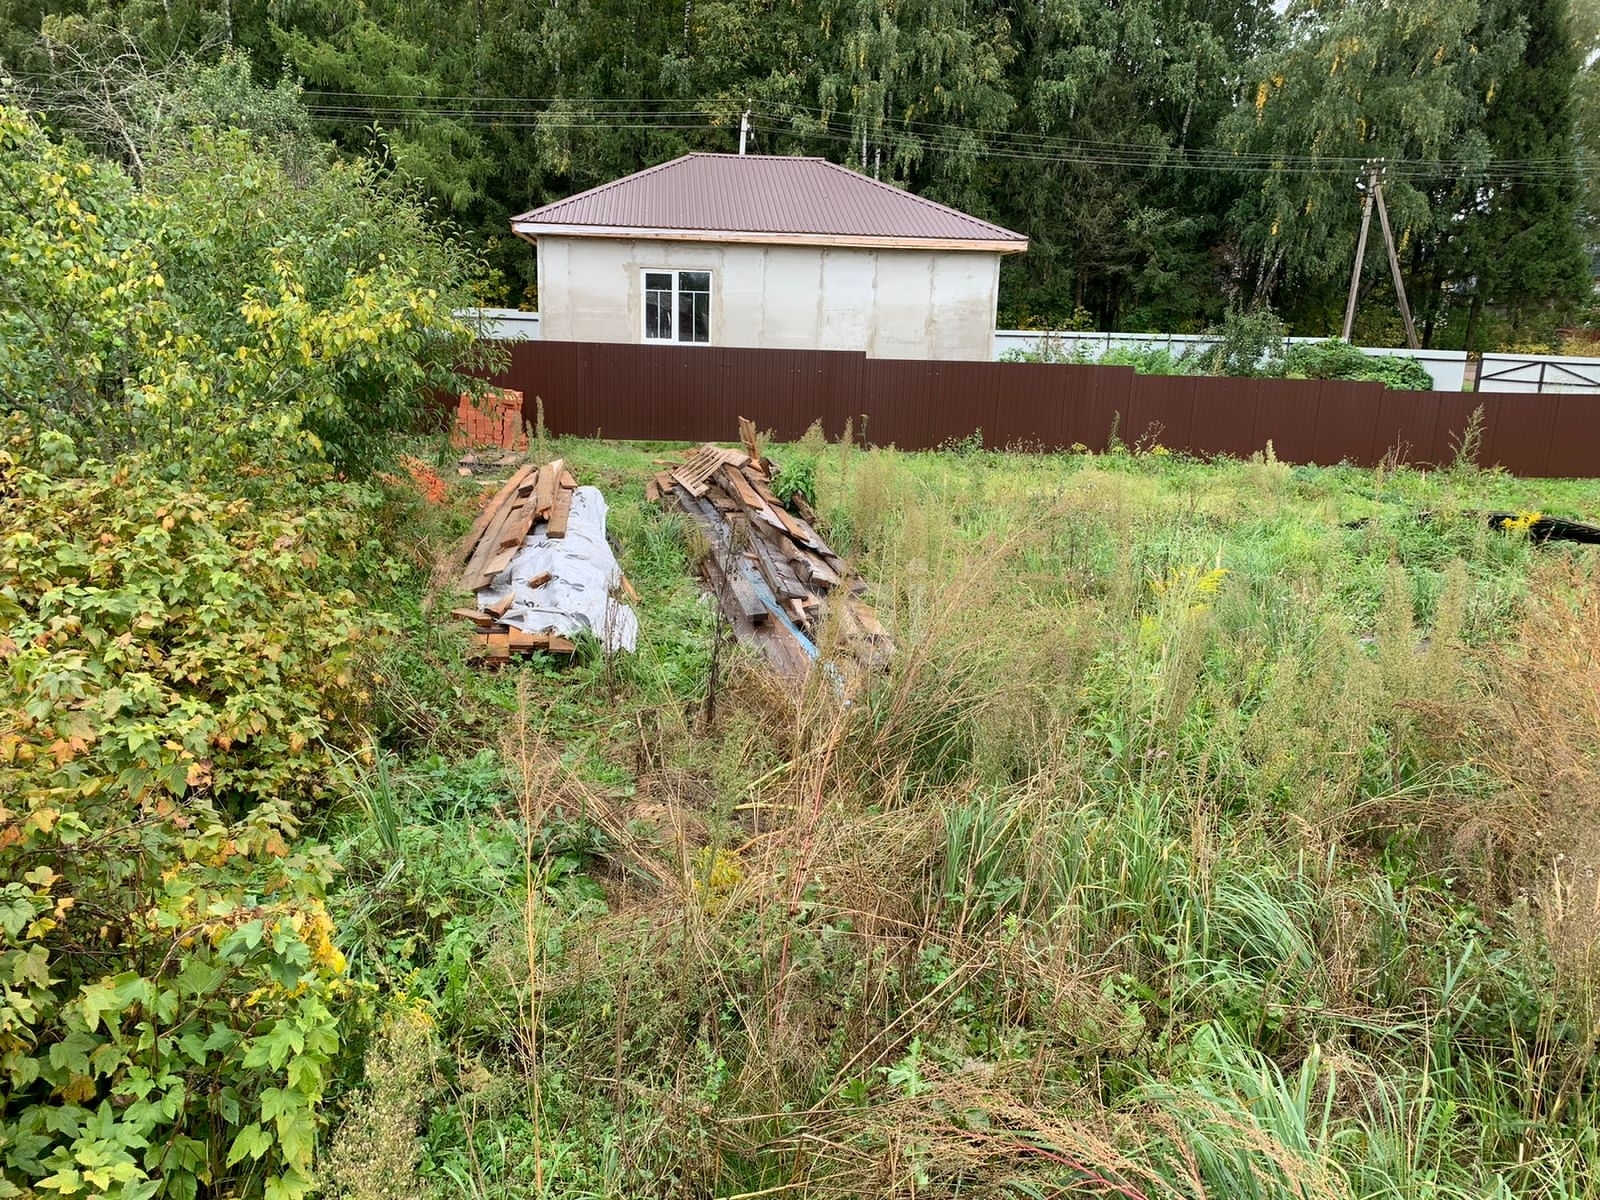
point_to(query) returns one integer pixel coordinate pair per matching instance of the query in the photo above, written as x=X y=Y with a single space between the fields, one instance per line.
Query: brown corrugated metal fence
x=697 y=393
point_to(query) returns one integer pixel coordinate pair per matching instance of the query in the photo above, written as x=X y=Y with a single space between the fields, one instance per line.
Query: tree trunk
x=1471 y=340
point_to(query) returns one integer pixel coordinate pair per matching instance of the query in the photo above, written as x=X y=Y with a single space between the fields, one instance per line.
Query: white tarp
x=583 y=577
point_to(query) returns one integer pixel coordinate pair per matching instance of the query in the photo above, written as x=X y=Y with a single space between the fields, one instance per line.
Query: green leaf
x=250 y=1142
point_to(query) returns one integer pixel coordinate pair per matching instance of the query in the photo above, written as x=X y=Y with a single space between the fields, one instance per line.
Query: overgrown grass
x=1218 y=830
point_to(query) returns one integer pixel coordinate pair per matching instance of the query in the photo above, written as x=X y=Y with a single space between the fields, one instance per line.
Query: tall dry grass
x=1139 y=873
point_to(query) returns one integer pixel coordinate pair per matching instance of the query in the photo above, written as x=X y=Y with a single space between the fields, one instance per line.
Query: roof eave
x=531 y=231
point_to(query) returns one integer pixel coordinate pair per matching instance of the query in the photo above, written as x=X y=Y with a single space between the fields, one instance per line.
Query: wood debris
x=532 y=497
x=777 y=580
x=528 y=497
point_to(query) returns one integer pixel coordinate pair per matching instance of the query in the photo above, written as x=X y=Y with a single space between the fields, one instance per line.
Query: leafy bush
x=796 y=479
x=1248 y=344
x=1152 y=360
x=177 y=679
x=229 y=312
x=1334 y=359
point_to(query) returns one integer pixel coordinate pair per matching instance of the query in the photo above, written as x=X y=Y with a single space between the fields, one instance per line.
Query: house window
x=677 y=306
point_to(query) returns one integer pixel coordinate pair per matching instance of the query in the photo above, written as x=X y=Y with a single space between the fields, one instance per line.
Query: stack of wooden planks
x=775 y=577
x=495 y=643
x=533 y=495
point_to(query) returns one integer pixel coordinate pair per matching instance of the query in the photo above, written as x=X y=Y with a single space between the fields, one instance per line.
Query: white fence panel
x=1527 y=374
x=1447 y=368
x=504 y=324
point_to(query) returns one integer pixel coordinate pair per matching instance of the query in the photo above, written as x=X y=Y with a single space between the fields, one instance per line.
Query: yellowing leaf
x=79 y=1089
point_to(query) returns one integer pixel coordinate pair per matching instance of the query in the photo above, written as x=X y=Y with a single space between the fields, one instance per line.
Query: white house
x=795 y=253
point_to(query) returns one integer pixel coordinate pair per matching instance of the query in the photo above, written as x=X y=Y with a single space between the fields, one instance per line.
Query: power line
x=809 y=122
x=423 y=104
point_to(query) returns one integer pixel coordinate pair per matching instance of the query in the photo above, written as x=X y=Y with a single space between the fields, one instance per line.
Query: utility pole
x=744 y=128
x=1371 y=186
x=1394 y=266
x=1361 y=255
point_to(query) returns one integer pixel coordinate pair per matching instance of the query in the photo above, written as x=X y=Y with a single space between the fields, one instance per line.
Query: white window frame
x=677 y=274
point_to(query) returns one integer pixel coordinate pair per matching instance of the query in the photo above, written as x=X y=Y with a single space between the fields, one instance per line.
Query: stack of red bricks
x=494 y=419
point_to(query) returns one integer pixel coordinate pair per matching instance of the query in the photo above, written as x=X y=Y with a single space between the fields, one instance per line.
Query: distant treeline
x=1170 y=160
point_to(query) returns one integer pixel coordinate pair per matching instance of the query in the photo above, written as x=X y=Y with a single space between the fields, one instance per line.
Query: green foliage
x=178 y=677
x=1334 y=359
x=1537 y=260
x=227 y=313
x=1157 y=810
x=1149 y=361
x=796 y=479
x=195 y=636
x=1169 y=160
x=1248 y=343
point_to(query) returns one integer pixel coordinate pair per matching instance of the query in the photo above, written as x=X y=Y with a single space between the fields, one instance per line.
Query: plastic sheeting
x=583 y=577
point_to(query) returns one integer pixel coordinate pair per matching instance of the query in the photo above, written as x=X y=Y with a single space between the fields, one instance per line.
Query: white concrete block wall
x=921 y=304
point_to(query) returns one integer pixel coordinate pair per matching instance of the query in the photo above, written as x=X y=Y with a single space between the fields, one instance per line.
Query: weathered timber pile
x=777 y=580
x=536 y=586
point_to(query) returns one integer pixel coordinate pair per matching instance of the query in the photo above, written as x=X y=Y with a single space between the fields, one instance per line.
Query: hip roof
x=764 y=198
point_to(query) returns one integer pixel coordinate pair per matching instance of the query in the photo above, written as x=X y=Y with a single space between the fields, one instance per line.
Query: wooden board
x=512 y=527
x=793 y=525
x=738 y=486
x=822 y=575
x=747 y=435
x=744 y=601
x=777 y=573
x=544 y=495
x=501 y=560
x=694 y=473
x=865 y=617
x=497 y=649
x=560 y=513
x=470 y=542
x=487 y=520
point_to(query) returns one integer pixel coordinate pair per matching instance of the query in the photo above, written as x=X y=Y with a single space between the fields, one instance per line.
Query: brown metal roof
x=763 y=198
